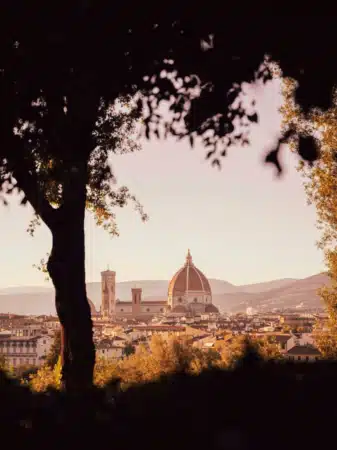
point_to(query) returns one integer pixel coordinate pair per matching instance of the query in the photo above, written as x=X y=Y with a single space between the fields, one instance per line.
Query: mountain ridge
x=286 y=292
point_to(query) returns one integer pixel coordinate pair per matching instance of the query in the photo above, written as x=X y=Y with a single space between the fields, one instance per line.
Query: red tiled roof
x=304 y=350
x=160 y=327
x=18 y=338
x=188 y=278
x=154 y=302
x=106 y=345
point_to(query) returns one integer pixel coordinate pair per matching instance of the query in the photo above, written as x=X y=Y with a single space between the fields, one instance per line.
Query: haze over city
x=241 y=223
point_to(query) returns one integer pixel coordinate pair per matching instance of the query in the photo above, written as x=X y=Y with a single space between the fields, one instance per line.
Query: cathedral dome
x=188 y=279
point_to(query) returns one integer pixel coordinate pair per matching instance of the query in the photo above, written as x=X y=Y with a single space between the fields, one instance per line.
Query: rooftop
x=160 y=327
x=19 y=338
x=304 y=350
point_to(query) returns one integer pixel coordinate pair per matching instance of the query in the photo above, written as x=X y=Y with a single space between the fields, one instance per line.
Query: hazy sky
x=241 y=223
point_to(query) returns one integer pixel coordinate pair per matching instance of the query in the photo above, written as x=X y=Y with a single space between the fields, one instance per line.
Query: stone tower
x=136 y=301
x=108 y=294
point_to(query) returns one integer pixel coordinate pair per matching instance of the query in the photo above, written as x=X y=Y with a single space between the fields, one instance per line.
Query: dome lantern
x=189 y=258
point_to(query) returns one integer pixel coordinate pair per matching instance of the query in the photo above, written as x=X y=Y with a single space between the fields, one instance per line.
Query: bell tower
x=136 y=301
x=108 y=285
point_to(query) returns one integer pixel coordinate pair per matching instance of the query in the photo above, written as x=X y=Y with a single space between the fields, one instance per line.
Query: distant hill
x=298 y=293
x=266 y=286
x=13 y=290
x=271 y=294
x=151 y=289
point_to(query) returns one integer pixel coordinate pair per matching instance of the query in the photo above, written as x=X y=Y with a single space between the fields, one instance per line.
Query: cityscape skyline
x=241 y=223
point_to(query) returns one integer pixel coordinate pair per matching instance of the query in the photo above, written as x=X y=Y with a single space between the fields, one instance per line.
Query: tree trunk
x=66 y=267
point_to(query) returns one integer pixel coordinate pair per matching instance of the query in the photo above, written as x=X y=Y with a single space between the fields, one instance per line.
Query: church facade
x=189 y=293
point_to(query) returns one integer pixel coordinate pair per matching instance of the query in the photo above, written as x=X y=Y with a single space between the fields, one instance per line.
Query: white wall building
x=19 y=351
x=27 y=330
x=107 y=350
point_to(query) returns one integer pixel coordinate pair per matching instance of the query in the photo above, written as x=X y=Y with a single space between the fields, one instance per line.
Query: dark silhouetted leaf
x=307 y=149
x=272 y=158
x=147 y=131
x=216 y=163
x=253 y=118
x=209 y=154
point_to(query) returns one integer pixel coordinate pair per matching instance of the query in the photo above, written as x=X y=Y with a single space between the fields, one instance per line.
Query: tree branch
x=28 y=183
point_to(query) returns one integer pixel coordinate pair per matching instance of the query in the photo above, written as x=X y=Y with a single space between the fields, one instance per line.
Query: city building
x=303 y=353
x=108 y=350
x=189 y=293
x=297 y=321
x=27 y=330
x=22 y=350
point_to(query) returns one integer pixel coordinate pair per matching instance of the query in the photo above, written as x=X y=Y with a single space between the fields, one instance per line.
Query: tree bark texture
x=66 y=267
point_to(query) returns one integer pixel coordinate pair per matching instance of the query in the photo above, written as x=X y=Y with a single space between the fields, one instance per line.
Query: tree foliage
x=233 y=350
x=114 y=133
x=183 y=58
x=76 y=77
x=326 y=339
x=320 y=183
x=47 y=377
x=163 y=357
x=3 y=363
x=55 y=350
x=128 y=350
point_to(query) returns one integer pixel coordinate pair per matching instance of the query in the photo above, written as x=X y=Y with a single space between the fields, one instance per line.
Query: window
x=161 y=309
x=299 y=358
x=27 y=361
x=34 y=361
x=14 y=361
x=148 y=310
x=195 y=300
x=180 y=300
x=122 y=310
x=44 y=341
x=307 y=358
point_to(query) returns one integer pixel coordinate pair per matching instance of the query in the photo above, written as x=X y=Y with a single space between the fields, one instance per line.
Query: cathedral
x=189 y=294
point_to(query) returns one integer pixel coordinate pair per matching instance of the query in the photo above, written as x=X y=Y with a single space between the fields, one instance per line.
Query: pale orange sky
x=241 y=224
